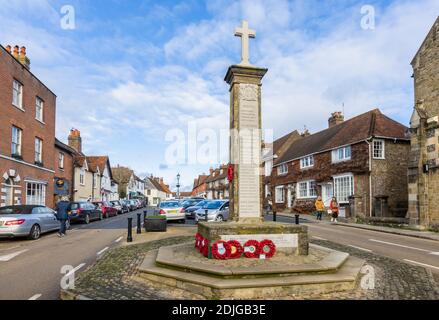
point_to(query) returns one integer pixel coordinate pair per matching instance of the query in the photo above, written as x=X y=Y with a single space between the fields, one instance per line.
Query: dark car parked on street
x=84 y=212
x=190 y=211
x=119 y=206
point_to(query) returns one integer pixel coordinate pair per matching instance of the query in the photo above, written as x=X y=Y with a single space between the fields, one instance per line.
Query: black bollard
x=139 y=225
x=274 y=216
x=206 y=212
x=130 y=230
x=297 y=218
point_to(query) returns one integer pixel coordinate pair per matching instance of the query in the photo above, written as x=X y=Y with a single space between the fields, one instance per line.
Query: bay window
x=343 y=187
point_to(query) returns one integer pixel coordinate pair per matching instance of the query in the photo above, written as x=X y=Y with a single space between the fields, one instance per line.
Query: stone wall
x=389 y=177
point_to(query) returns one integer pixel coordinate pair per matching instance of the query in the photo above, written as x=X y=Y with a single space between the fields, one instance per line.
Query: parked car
x=126 y=205
x=116 y=204
x=138 y=203
x=217 y=210
x=107 y=209
x=172 y=210
x=84 y=212
x=190 y=211
x=190 y=202
x=132 y=204
x=27 y=221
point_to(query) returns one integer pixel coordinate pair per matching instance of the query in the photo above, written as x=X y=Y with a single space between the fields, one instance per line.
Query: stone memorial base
x=181 y=268
x=288 y=238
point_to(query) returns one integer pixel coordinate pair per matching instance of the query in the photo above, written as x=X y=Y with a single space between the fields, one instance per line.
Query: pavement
x=114 y=276
x=32 y=269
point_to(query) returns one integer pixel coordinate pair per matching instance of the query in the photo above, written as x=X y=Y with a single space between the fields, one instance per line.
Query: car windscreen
x=213 y=205
x=169 y=205
x=201 y=204
x=16 y=210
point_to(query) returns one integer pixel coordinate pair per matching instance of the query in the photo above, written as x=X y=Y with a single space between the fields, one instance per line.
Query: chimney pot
x=23 y=51
x=8 y=48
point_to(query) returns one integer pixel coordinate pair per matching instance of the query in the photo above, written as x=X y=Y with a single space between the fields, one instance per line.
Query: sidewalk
x=404 y=232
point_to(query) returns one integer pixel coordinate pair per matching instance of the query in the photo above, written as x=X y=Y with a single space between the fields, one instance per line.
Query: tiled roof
x=78 y=161
x=359 y=128
x=64 y=147
x=96 y=162
x=217 y=175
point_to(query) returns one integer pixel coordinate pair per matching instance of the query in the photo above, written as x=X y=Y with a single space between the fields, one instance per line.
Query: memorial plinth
x=245 y=219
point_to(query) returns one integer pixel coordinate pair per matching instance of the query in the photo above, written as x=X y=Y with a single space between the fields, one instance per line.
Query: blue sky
x=131 y=71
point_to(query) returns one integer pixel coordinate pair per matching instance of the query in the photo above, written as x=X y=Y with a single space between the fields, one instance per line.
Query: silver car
x=217 y=210
x=172 y=210
x=27 y=221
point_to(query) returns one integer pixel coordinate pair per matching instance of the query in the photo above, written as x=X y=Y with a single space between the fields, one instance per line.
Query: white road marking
x=102 y=251
x=118 y=239
x=11 y=256
x=74 y=270
x=360 y=248
x=35 y=297
x=11 y=248
x=435 y=253
x=399 y=245
x=318 y=238
x=421 y=264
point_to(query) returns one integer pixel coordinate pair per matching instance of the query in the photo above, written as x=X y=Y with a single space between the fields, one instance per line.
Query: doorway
x=9 y=191
x=327 y=193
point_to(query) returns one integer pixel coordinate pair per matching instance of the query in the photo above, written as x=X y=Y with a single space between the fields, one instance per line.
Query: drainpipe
x=370 y=175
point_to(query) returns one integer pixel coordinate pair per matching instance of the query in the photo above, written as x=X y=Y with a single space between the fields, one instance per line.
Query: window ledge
x=17 y=156
x=379 y=158
x=40 y=121
x=17 y=107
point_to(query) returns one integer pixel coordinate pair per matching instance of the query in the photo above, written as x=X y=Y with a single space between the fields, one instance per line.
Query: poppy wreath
x=268 y=248
x=251 y=249
x=236 y=249
x=202 y=245
x=221 y=250
x=205 y=248
x=198 y=240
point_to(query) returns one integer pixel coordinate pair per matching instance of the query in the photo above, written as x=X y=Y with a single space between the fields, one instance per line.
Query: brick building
x=64 y=171
x=423 y=174
x=199 y=188
x=361 y=161
x=27 y=131
x=217 y=184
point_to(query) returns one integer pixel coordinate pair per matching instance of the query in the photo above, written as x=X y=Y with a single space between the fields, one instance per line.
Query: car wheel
x=87 y=219
x=219 y=218
x=35 y=232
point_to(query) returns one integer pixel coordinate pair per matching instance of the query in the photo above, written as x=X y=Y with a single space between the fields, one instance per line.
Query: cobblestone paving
x=111 y=277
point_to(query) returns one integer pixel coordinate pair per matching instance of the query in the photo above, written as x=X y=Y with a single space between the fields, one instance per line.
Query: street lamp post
x=178 y=186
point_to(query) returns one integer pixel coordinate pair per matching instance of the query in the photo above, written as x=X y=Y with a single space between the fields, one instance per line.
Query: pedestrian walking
x=62 y=216
x=334 y=209
x=320 y=207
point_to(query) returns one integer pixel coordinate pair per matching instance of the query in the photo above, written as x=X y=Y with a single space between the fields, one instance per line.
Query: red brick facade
x=64 y=171
x=21 y=179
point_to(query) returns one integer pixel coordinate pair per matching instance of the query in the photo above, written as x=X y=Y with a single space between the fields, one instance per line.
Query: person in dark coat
x=63 y=216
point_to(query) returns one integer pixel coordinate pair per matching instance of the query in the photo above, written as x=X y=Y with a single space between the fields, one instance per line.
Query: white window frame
x=35 y=194
x=340 y=183
x=282 y=169
x=310 y=189
x=16 y=141
x=380 y=146
x=61 y=160
x=341 y=154
x=279 y=194
x=307 y=162
x=82 y=177
x=17 y=95
x=38 y=150
x=39 y=109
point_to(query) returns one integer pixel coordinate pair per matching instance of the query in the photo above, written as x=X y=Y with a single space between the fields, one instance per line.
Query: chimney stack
x=20 y=55
x=335 y=119
x=75 y=140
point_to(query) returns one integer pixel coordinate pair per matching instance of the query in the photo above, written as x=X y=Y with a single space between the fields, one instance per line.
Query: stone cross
x=245 y=33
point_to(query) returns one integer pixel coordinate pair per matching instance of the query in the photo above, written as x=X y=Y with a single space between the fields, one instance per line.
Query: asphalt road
x=420 y=252
x=32 y=269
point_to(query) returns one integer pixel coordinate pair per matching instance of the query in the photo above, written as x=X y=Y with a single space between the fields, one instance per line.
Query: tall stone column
x=245 y=144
